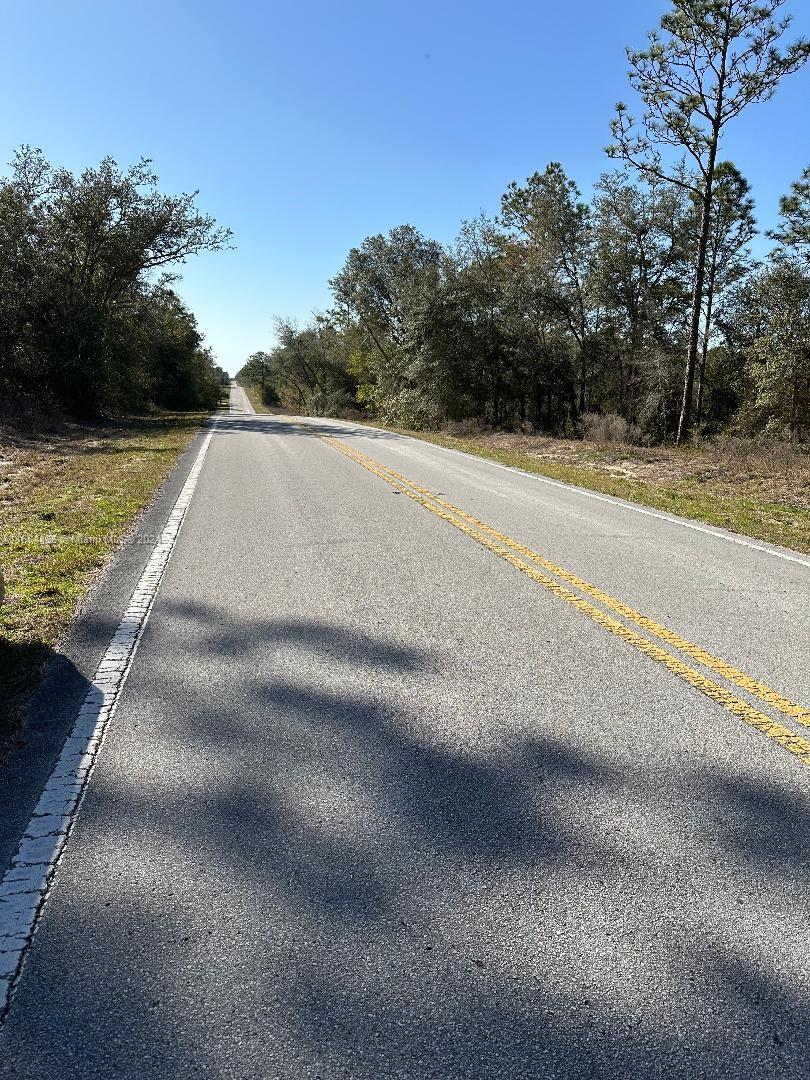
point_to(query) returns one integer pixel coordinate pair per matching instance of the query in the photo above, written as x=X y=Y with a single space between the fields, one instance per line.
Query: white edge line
x=720 y=534
x=24 y=887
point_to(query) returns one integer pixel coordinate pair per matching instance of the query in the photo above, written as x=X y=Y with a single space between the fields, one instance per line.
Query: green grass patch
x=66 y=500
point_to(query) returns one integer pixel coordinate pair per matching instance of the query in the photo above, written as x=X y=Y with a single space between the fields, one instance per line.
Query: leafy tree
x=794 y=231
x=21 y=220
x=712 y=60
x=389 y=289
x=255 y=372
x=538 y=339
x=306 y=371
x=548 y=217
x=478 y=259
x=80 y=255
x=771 y=329
x=640 y=271
x=181 y=373
x=313 y=363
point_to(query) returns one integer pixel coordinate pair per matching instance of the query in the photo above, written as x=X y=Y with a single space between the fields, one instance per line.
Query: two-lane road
x=426 y=768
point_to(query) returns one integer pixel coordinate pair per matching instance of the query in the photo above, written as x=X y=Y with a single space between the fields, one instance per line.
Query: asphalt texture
x=375 y=805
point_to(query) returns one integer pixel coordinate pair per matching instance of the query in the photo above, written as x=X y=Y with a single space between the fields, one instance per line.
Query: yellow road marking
x=505 y=548
x=722 y=667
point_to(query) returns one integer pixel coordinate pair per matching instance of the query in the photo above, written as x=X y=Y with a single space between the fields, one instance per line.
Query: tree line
x=644 y=303
x=89 y=321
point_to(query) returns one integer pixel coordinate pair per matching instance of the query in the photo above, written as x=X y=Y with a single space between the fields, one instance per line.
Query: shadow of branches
x=295 y=876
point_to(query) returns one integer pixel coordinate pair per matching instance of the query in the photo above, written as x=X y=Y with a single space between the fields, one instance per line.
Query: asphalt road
x=378 y=803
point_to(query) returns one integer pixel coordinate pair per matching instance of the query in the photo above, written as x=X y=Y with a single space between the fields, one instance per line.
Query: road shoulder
x=52 y=707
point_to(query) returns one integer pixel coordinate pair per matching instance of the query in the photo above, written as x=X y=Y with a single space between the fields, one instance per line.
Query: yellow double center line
x=508 y=549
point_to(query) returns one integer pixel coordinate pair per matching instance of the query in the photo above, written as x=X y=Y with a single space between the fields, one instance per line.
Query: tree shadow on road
x=311 y=879
x=265 y=424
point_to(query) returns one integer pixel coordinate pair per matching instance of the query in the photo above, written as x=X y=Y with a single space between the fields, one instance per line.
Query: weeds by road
x=68 y=494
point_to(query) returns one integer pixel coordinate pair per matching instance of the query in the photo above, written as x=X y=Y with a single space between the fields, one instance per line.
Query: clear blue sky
x=308 y=126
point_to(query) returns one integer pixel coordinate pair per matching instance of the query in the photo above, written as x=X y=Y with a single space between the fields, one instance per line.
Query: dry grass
x=759 y=489
x=68 y=494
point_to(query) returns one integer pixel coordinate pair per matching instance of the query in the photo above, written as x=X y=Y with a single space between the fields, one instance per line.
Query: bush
x=328 y=403
x=411 y=409
x=609 y=428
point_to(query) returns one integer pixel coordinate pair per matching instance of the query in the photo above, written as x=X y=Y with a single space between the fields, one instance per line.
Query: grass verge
x=756 y=489
x=67 y=497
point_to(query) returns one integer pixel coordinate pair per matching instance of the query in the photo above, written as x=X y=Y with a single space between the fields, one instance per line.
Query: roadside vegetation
x=68 y=494
x=89 y=322
x=638 y=318
x=104 y=379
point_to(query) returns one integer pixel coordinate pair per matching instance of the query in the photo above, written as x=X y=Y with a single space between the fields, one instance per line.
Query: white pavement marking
x=719 y=534
x=24 y=887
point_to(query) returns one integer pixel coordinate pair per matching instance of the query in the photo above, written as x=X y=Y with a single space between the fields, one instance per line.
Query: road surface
x=386 y=796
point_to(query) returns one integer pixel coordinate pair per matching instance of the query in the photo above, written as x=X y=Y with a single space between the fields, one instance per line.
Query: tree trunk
x=496 y=390
x=704 y=352
x=694 y=327
x=583 y=393
x=697 y=295
x=537 y=397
